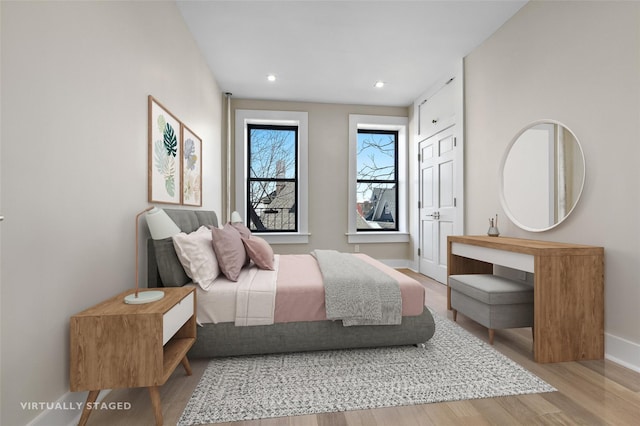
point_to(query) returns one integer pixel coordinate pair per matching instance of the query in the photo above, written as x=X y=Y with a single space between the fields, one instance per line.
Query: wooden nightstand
x=117 y=345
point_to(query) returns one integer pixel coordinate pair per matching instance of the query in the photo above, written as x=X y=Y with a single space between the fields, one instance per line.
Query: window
x=377 y=179
x=272 y=178
x=271 y=174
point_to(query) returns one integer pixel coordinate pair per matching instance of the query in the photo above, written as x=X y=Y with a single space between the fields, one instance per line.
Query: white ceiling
x=334 y=51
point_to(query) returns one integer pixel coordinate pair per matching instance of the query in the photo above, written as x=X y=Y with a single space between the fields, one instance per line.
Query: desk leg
x=154 y=393
x=86 y=411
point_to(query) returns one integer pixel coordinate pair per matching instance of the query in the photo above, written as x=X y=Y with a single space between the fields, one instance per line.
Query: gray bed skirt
x=225 y=339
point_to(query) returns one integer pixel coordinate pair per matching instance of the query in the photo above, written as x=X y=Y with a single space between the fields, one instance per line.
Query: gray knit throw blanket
x=356 y=292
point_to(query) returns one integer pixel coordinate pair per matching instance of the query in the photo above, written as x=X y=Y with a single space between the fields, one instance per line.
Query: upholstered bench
x=492 y=301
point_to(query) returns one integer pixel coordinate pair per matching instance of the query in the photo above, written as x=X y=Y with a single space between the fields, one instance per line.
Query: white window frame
x=379 y=122
x=288 y=118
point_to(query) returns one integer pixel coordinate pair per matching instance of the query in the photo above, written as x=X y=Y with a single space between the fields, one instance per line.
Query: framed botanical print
x=191 y=168
x=165 y=154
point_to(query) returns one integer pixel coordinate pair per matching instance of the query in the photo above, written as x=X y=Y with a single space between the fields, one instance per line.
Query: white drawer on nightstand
x=175 y=317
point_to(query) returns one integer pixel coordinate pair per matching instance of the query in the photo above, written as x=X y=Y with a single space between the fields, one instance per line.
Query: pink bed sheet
x=300 y=292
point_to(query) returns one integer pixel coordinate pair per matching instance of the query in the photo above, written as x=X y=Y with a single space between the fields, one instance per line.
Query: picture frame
x=165 y=154
x=191 y=168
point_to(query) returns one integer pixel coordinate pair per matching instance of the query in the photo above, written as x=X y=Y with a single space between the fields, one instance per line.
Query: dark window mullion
x=392 y=181
x=374 y=181
x=292 y=210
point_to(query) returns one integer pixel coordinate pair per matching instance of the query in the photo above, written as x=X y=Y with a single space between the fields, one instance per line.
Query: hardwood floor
x=589 y=393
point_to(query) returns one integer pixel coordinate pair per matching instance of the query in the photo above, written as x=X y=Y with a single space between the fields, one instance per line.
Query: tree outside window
x=377 y=180
x=272 y=184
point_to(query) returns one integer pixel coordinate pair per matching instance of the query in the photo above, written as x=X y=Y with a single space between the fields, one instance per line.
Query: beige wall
x=328 y=175
x=75 y=81
x=578 y=63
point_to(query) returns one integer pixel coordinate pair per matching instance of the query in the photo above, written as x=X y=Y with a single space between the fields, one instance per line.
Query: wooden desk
x=568 y=289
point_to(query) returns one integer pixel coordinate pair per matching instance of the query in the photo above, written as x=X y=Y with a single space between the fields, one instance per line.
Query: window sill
x=283 y=237
x=378 y=237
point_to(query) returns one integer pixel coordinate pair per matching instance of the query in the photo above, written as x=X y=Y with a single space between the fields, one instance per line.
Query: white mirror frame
x=503 y=201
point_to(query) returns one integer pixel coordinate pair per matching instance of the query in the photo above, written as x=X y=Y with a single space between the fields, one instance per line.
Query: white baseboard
x=622 y=351
x=396 y=263
x=65 y=411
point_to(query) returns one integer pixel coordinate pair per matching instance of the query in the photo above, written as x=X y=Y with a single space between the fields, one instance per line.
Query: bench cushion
x=492 y=289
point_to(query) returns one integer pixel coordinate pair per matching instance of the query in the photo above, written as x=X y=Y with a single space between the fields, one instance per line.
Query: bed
x=289 y=333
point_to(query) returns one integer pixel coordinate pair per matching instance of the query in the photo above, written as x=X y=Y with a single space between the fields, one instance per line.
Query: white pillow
x=195 y=252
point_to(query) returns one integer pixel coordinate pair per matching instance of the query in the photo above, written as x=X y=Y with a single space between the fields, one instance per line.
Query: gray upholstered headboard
x=163 y=267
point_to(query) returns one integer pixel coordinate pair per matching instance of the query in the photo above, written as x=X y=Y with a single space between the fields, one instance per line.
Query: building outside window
x=377 y=180
x=378 y=168
x=272 y=179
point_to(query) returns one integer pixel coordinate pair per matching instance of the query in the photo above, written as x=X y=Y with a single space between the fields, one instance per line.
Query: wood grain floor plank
x=617 y=373
x=414 y=414
x=439 y=414
x=555 y=419
x=538 y=404
x=462 y=409
x=389 y=416
x=494 y=413
x=594 y=397
x=612 y=390
x=331 y=419
x=518 y=409
x=569 y=408
x=360 y=418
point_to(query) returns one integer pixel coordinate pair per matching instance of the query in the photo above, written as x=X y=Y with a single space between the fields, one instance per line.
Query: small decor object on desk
x=493 y=228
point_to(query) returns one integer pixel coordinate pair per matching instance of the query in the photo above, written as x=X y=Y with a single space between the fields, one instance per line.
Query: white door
x=437 y=201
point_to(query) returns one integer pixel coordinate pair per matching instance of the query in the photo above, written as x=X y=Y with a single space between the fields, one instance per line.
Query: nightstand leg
x=86 y=411
x=186 y=365
x=157 y=405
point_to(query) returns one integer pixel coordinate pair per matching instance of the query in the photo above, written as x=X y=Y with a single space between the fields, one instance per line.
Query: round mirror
x=542 y=176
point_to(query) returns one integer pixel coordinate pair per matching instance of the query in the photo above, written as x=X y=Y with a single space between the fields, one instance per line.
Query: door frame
x=458 y=121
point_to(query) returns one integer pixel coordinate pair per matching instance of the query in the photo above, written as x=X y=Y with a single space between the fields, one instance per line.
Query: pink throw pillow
x=259 y=251
x=242 y=229
x=230 y=252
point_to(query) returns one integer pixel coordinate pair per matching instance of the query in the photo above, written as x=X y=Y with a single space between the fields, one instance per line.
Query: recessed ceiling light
x=379 y=84
x=271 y=77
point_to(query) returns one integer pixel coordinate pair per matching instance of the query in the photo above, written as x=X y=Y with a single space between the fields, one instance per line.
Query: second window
x=377 y=180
